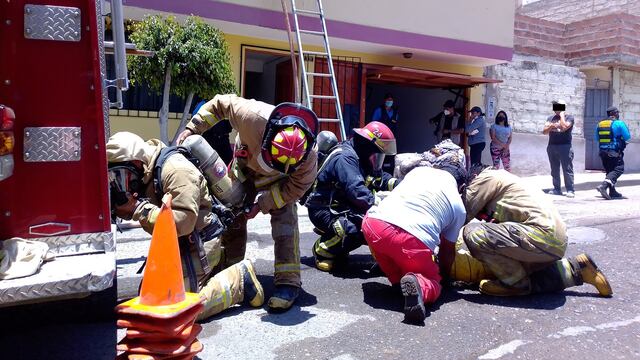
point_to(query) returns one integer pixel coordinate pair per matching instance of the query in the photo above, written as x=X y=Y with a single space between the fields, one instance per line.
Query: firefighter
x=345 y=189
x=140 y=173
x=522 y=240
x=275 y=161
x=612 y=135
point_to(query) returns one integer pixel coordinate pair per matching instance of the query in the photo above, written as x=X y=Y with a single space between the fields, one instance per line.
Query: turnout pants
x=285 y=233
x=222 y=291
x=561 y=155
x=512 y=252
x=340 y=232
x=399 y=253
x=613 y=163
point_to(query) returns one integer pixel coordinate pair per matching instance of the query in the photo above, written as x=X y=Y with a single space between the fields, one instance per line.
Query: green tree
x=206 y=70
x=193 y=57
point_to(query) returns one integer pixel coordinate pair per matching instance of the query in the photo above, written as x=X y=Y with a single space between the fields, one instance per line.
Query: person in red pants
x=424 y=212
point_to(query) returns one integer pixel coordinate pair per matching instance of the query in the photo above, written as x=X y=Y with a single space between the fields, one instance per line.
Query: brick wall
x=538 y=37
x=607 y=38
x=528 y=88
x=568 y=11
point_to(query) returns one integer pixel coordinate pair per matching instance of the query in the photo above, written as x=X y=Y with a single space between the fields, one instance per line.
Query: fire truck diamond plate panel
x=46 y=22
x=46 y=144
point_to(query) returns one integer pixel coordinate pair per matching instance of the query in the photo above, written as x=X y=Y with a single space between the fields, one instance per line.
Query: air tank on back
x=230 y=193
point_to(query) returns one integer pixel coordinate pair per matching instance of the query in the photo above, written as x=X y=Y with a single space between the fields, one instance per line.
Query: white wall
x=626 y=96
x=528 y=87
x=416 y=106
x=454 y=19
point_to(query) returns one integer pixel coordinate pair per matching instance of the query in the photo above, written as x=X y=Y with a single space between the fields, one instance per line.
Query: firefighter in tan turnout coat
x=131 y=164
x=275 y=161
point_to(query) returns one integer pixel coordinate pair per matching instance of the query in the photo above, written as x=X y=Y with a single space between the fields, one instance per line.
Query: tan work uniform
x=529 y=235
x=278 y=192
x=191 y=205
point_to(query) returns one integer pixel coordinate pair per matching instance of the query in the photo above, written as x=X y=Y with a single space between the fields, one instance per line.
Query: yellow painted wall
x=147 y=127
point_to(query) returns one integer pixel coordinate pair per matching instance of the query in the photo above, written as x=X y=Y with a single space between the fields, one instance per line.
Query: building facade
x=424 y=53
x=587 y=53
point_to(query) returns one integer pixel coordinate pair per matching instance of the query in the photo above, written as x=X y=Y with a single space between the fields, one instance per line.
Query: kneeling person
x=523 y=239
x=425 y=211
x=131 y=163
x=344 y=190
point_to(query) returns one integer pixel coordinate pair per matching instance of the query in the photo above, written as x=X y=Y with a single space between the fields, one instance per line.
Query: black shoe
x=414 y=310
x=283 y=298
x=614 y=194
x=554 y=192
x=602 y=189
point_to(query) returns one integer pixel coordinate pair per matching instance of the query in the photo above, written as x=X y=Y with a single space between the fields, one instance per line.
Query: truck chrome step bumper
x=64 y=277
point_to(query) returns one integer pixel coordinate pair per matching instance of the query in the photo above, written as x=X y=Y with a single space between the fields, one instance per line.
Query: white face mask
x=447 y=112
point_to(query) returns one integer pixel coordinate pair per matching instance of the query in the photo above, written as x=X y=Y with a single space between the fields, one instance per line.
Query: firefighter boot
x=497 y=288
x=323 y=263
x=591 y=275
x=613 y=193
x=414 y=310
x=602 y=188
x=253 y=293
x=283 y=298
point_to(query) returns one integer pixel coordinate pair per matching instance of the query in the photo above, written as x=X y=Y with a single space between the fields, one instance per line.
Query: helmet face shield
x=377 y=160
x=125 y=180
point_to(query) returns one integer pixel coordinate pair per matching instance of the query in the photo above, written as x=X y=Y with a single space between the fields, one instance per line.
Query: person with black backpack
x=140 y=174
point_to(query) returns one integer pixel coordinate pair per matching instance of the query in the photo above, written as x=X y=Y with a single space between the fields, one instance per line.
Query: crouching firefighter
x=275 y=163
x=345 y=189
x=522 y=240
x=140 y=173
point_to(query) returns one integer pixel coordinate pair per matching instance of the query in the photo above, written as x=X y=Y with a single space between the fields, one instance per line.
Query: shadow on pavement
x=537 y=301
x=357 y=266
x=68 y=329
x=387 y=297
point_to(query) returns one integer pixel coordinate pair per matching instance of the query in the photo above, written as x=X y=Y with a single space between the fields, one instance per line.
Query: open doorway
x=416 y=105
x=267 y=75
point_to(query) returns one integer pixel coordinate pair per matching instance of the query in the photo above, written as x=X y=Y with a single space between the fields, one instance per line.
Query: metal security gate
x=596 y=104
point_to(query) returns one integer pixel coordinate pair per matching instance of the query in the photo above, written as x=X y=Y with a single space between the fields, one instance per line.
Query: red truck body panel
x=52 y=83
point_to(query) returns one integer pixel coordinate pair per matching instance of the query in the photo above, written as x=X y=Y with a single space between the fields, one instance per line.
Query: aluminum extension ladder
x=309 y=96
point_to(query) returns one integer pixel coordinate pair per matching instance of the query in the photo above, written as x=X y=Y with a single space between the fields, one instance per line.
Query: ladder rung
x=320 y=53
x=311 y=32
x=322 y=96
x=328 y=120
x=309 y=12
x=318 y=74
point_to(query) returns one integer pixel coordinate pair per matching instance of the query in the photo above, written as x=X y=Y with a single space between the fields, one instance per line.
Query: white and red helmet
x=288 y=137
x=379 y=135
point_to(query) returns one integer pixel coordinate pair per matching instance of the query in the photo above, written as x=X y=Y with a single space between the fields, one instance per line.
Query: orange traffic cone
x=160 y=322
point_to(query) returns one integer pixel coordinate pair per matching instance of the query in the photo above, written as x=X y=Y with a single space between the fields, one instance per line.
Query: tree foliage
x=206 y=68
x=196 y=52
x=157 y=34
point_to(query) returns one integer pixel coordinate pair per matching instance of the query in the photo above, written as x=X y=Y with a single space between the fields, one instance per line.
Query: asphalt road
x=357 y=315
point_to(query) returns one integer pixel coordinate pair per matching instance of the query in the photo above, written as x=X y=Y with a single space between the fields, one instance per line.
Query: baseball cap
x=476 y=109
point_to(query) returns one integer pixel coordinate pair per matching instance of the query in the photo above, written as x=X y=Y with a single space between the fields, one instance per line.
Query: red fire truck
x=53 y=129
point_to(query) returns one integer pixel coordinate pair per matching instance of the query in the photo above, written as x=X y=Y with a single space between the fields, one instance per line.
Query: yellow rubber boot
x=591 y=275
x=323 y=263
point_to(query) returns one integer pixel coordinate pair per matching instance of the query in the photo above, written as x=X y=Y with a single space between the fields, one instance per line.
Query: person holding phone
x=559 y=127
